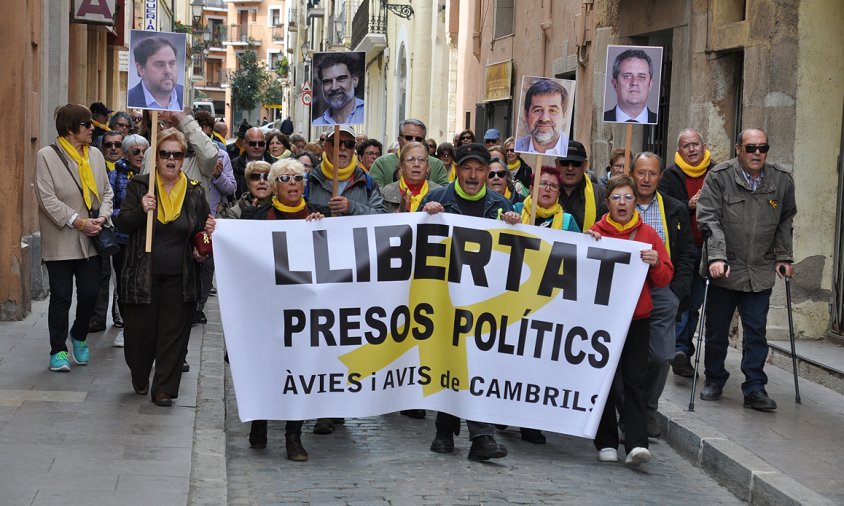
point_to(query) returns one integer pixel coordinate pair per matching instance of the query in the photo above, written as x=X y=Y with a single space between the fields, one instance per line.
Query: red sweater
x=659 y=276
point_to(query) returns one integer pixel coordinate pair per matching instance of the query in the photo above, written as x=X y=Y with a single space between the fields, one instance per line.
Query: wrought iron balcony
x=369 y=29
x=241 y=35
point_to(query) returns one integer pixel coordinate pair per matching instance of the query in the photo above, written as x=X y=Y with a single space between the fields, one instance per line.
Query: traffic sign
x=306 y=98
x=306 y=86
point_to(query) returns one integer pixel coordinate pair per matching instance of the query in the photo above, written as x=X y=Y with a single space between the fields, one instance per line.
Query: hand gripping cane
x=791 y=333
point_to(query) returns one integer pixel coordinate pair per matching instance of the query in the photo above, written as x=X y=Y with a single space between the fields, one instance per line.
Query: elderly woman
x=278 y=144
x=616 y=166
x=405 y=194
x=134 y=147
x=159 y=289
x=623 y=222
x=121 y=122
x=368 y=151
x=74 y=202
x=287 y=180
x=549 y=212
x=499 y=181
x=522 y=173
x=258 y=198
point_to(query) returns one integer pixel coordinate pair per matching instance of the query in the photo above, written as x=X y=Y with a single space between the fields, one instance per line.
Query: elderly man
x=545 y=107
x=99 y=117
x=632 y=79
x=338 y=75
x=683 y=181
x=157 y=66
x=255 y=149
x=492 y=137
x=468 y=195
x=745 y=211
x=221 y=130
x=670 y=219
x=582 y=195
x=385 y=170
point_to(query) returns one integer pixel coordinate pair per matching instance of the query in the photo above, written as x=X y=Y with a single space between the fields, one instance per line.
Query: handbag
x=106 y=241
x=202 y=242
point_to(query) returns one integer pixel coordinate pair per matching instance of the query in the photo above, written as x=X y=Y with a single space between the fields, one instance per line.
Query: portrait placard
x=544 y=120
x=338 y=82
x=156 y=70
x=631 y=87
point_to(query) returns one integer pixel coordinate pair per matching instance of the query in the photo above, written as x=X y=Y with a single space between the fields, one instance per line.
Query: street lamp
x=196 y=11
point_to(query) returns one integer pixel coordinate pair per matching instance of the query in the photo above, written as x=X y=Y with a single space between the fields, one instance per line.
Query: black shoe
x=199 y=318
x=534 y=436
x=485 y=448
x=258 y=434
x=295 y=451
x=96 y=326
x=140 y=390
x=213 y=291
x=324 y=426
x=711 y=392
x=185 y=366
x=117 y=321
x=759 y=401
x=443 y=443
x=682 y=365
x=413 y=413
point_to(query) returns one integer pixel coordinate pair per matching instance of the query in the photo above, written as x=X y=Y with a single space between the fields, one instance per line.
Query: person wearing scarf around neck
x=405 y=194
x=683 y=180
x=582 y=195
x=356 y=192
x=521 y=172
x=278 y=144
x=277 y=193
x=468 y=195
x=159 y=289
x=385 y=170
x=70 y=180
x=549 y=212
x=623 y=222
x=500 y=180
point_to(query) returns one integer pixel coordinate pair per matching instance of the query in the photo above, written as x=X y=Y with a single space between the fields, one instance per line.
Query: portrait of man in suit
x=545 y=118
x=159 y=63
x=633 y=96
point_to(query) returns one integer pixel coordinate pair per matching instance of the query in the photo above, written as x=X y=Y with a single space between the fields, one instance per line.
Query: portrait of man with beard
x=340 y=79
x=545 y=119
x=158 y=80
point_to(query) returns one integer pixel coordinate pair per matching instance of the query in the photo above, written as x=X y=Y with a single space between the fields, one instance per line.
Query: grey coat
x=364 y=196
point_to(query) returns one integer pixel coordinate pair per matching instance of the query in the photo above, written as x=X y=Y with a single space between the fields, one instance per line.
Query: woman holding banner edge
x=623 y=222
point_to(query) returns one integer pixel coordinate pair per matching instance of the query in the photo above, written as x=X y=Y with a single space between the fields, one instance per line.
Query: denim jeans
x=753 y=310
x=686 y=325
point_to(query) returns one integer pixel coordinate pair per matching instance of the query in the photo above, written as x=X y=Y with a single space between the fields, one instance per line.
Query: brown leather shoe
x=163 y=400
x=140 y=390
x=295 y=451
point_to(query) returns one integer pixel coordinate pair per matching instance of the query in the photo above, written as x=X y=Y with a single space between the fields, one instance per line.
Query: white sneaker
x=638 y=455
x=608 y=455
x=118 y=340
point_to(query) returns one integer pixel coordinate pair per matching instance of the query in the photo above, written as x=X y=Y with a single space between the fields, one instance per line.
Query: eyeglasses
x=122 y=125
x=509 y=150
x=136 y=152
x=628 y=197
x=343 y=144
x=497 y=173
x=376 y=154
x=256 y=144
x=164 y=154
x=752 y=148
x=690 y=145
x=112 y=145
x=257 y=176
x=466 y=138
x=411 y=159
x=137 y=119
x=411 y=138
x=549 y=186
x=87 y=124
x=285 y=178
x=563 y=163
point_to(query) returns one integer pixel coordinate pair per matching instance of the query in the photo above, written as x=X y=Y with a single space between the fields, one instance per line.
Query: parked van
x=205 y=104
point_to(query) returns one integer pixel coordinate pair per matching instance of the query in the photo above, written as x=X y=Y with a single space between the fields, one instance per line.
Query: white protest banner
x=365 y=315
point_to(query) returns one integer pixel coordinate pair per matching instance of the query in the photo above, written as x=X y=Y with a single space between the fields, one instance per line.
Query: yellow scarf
x=86 y=173
x=342 y=174
x=220 y=137
x=289 y=209
x=515 y=165
x=664 y=222
x=589 y=200
x=556 y=211
x=287 y=154
x=507 y=193
x=100 y=125
x=627 y=226
x=452 y=174
x=170 y=203
x=109 y=165
x=693 y=170
x=414 y=199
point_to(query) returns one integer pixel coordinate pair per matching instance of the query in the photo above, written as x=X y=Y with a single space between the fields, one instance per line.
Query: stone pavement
x=85 y=437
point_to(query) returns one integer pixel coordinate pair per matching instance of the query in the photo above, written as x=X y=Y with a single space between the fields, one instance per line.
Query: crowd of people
x=729 y=223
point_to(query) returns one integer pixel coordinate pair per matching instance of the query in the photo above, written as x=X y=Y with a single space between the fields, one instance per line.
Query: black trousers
x=291 y=427
x=632 y=368
x=62 y=274
x=157 y=332
x=101 y=308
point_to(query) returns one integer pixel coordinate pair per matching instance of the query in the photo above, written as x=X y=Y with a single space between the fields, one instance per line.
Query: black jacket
x=682 y=247
x=575 y=204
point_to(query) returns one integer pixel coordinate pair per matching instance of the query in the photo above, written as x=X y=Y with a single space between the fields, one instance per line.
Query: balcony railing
x=242 y=34
x=278 y=33
x=216 y=4
x=365 y=23
x=215 y=79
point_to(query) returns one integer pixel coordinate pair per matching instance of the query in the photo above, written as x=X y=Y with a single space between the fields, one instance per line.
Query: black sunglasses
x=259 y=144
x=752 y=148
x=466 y=138
x=344 y=144
x=497 y=173
x=164 y=154
x=112 y=145
x=136 y=151
x=87 y=124
x=573 y=163
x=411 y=138
x=257 y=176
x=137 y=119
x=285 y=178
x=122 y=125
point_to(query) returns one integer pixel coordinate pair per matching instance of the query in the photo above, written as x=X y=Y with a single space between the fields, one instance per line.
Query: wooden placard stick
x=627 y=138
x=151 y=171
x=534 y=192
x=336 y=151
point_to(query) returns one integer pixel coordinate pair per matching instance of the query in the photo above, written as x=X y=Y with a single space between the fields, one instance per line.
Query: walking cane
x=699 y=338
x=791 y=333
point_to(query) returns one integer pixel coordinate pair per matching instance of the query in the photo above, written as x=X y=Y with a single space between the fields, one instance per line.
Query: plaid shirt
x=754 y=182
x=650 y=214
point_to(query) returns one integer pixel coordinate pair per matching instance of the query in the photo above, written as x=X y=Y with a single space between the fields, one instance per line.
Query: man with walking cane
x=746 y=208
